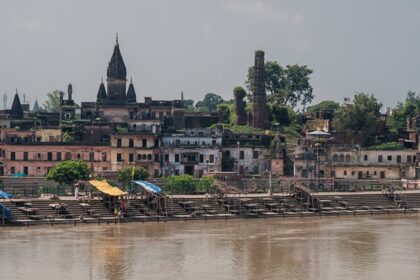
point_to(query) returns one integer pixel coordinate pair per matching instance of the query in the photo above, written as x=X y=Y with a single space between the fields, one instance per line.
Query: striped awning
x=106 y=188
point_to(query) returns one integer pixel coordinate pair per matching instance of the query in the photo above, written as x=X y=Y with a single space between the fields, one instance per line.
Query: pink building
x=36 y=159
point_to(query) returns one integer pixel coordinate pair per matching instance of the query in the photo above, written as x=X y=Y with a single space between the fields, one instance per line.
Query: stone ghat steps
x=354 y=202
x=43 y=209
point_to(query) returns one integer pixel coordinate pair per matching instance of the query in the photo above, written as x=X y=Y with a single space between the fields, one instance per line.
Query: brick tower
x=259 y=101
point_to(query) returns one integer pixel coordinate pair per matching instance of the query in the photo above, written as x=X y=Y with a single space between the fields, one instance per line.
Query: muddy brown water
x=378 y=247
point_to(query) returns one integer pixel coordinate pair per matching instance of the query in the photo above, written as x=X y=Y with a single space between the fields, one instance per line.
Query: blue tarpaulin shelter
x=148 y=186
x=5 y=194
x=6 y=212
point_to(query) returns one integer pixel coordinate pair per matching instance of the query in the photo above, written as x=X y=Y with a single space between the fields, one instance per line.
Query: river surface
x=378 y=247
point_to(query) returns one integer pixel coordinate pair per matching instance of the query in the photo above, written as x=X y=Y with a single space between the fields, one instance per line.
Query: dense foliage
x=209 y=103
x=359 y=116
x=185 y=184
x=285 y=86
x=69 y=172
x=398 y=120
x=323 y=105
x=52 y=103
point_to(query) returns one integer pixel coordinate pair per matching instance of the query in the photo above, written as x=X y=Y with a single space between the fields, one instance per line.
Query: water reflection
x=324 y=248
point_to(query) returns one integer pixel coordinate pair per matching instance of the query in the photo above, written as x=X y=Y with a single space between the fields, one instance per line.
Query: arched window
x=149 y=157
x=144 y=156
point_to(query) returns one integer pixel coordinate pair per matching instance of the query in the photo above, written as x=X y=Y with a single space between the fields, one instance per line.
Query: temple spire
x=116 y=39
x=131 y=93
x=16 y=111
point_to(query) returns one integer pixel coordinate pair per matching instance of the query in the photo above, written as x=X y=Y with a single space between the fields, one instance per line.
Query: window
x=380 y=158
x=408 y=158
x=59 y=156
x=149 y=157
x=414 y=158
x=176 y=157
x=389 y=158
x=13 y=170
x=131 y=157
x=25 y=170
x=156 y=157
x=78 y=156
x=241 y=154
x=201 y=158
x=366 y=157
x=119 y=142
x=166 y=157
x=345 y=172
x=255 y=154
x=139 y=157
x=103 y=156
x=12 y=156
x=382 y=174
x=25 y=155
x=347 y=157
x=131 y=143
x=211 y=158
x=38 y=156
x=176 y=172
x=68 y=156
x=49 y=156
x=398 y=158
x=144 y=143
x=143 y=156
x=119 y=157
x=374 y=173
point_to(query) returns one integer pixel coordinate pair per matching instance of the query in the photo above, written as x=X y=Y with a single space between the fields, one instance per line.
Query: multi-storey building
x=196 y=152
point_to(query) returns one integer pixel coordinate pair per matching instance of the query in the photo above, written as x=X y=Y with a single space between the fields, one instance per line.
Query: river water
x=378 y=247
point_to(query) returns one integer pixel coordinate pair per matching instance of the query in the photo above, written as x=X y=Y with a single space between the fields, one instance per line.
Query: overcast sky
x=206 y=46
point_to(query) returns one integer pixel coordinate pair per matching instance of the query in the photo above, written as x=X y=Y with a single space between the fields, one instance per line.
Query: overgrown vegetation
x=69 y=172
x=185 y=184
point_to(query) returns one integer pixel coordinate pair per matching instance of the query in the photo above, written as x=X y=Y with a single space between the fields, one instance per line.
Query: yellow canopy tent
x=106 y=188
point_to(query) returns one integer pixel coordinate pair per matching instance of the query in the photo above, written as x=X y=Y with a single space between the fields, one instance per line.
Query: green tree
x=397 y=122
x=359 y=116
x=226 y=112
x=205 y=184
x=69 y=172
x=180 y=184
x=323 y=105
x=125 y=175
x=285 y=86
x=283 y=115
x=52 y=104
x=210 y=102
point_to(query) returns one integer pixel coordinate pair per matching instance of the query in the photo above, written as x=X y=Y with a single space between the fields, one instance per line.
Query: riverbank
x=67 y=210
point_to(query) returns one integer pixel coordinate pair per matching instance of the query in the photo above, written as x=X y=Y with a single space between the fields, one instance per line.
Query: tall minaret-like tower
x=116 y=76
x=259 y=100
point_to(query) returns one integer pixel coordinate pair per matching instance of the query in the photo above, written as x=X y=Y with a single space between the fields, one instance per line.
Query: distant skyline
x=207 y=46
